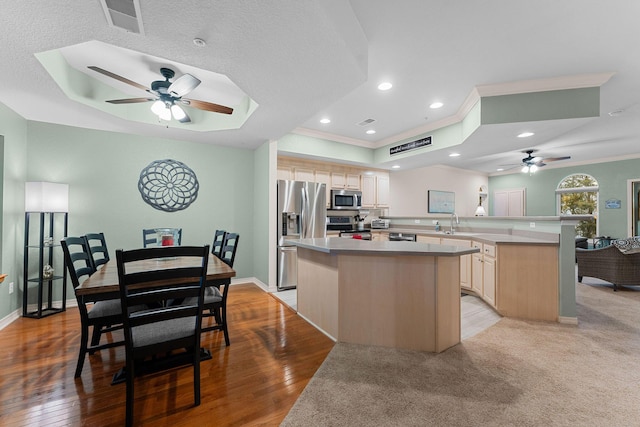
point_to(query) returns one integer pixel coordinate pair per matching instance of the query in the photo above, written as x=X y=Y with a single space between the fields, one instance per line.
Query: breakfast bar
x=393 y=294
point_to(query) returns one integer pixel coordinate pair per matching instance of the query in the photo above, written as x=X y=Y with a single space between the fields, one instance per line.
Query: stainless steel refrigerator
x=302 y=214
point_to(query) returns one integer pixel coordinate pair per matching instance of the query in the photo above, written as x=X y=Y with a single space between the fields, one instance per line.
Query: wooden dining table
x=103 y=284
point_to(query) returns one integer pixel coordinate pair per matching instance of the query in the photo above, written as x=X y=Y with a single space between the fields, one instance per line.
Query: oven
x=341 y=223
x=346 y=199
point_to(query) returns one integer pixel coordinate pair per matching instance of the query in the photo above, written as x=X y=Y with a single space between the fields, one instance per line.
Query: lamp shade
x=46 y=197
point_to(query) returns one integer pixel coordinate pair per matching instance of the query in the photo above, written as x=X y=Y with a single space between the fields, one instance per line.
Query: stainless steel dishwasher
x=402 y=237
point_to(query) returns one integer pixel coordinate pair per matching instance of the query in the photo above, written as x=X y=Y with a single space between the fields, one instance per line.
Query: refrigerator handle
x=303 y=216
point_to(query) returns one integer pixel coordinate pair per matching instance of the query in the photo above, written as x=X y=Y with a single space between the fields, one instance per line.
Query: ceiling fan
x=168 y=96
x=531 y=164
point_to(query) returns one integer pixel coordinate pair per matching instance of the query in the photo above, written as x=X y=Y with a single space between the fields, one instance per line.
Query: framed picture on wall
x=441 y=201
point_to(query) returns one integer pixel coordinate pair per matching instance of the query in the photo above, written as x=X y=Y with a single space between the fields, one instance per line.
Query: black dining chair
x=218 y=240
x=98 y=248
x=162 y=336
x=215 y=299
x=102 y=316
x=150 y=237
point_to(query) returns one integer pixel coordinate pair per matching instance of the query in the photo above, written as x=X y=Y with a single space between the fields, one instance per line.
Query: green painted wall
x=13 y=128
x=540 y=190
x=102 y=170
x=261 y=184
x=549 y=105
x=316 y=147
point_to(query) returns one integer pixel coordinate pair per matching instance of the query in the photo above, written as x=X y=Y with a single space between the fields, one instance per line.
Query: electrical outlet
x=416 y=221
x=11 y=287
x=532 y=225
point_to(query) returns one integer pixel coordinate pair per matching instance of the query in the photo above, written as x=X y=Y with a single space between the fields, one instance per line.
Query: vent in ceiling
x=366 y=122
x=123 y=14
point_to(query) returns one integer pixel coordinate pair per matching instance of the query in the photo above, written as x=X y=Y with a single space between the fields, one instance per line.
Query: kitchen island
x=392 y=294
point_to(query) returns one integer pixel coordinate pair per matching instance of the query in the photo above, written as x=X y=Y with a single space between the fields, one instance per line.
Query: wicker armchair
x=609 y=264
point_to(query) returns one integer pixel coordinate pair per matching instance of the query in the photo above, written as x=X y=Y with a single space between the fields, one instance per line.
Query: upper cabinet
x=374 y=187
x=285 y=172
x=375 y=190
x=349 y=181
x=304 y=174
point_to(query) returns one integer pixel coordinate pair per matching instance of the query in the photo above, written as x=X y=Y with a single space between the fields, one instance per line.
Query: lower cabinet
x=489 y=280
x=483 y=272
x=379 y=236
x=465 y=261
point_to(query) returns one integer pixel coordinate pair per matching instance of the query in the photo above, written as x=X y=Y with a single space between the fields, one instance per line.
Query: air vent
x=123 y=14
x=366 y=122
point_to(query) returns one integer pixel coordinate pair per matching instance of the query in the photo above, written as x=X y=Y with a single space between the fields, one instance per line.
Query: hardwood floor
x=255 y=381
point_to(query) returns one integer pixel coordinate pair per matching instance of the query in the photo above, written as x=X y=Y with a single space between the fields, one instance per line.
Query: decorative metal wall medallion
x=168 y=185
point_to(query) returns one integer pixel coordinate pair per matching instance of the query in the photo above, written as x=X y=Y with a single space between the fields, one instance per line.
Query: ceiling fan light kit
x=531 y=164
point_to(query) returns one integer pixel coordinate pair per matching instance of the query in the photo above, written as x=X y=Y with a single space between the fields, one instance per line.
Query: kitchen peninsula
x=392 y=294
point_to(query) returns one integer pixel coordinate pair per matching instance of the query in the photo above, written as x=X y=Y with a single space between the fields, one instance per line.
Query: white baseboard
x=10 y=318
x=568 y=320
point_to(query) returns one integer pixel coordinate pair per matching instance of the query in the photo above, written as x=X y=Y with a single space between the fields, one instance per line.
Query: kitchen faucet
x=454 y=215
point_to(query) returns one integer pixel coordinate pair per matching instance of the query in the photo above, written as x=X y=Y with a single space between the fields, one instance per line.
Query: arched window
x=578 y=195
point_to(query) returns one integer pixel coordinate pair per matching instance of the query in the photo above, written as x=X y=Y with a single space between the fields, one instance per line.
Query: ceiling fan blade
x=554 y=159
x=183 y=85
x=117 y=77
x=207 y=106
x=129 y=100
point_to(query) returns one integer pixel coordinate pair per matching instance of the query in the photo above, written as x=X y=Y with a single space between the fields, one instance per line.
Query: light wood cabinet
x=476 y=273
x=353 y=181
x=338 y=180
x=324 y=177
x=285 y=172
x=368 y=191
x=304 y=174
x=375 y=191
x=483 y=272
x=476 y=269
x=382 y=193
x=489 y=280
x=465 y=261
x=379 y=236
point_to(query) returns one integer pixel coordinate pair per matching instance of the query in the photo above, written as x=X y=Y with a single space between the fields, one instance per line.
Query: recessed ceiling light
x=371 y=132
x=385 y=86
x=395 y=167
x=454 y=154
x=325 y=121
x=199 y=42
x=436 y=105
x=525 y=134
x=368 y=173
x=500 y=169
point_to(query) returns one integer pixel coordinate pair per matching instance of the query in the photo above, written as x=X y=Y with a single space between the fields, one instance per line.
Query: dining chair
x=102 y=316
x=150 y=237
x=215 y=299
x=164 y=335
x=218 y=240
x=98 y=249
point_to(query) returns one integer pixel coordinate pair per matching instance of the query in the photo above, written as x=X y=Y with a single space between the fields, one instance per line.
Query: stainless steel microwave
x=346 y=199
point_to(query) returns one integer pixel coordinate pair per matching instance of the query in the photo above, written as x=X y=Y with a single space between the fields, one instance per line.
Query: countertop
x=491 y=238
x=335 y=246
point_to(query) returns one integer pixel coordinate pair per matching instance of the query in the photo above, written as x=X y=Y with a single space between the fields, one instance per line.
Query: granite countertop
x=355 y=246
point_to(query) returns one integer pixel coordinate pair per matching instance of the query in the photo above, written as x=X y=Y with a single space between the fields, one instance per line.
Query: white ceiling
x=304 y=60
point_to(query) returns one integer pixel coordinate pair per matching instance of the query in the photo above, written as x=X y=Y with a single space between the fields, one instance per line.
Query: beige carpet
x=516 y=373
